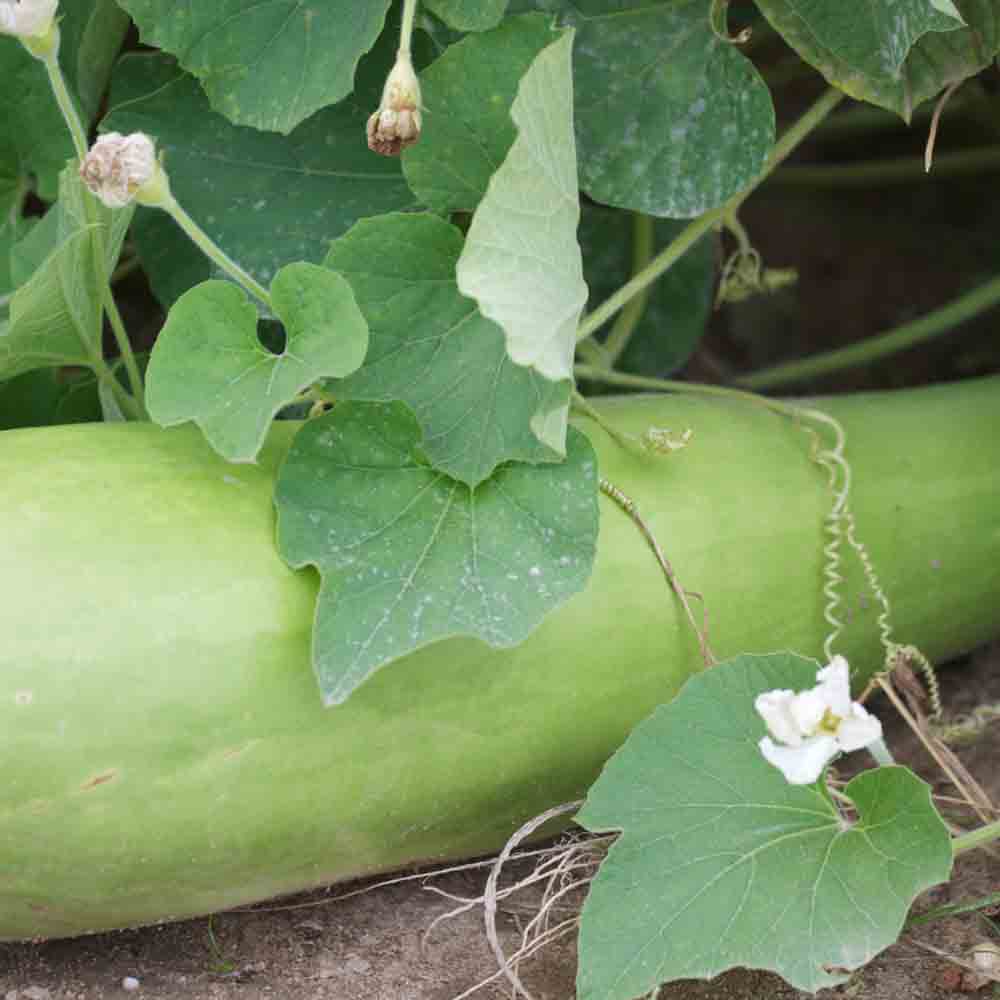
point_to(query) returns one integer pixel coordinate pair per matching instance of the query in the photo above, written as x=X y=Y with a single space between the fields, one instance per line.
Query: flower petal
x=808 y=709
x=858 y=730
x=774 y=707
x=801 y=765
x=835 y=686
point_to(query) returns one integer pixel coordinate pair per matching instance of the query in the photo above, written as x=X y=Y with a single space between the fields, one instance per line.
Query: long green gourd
x=163 y=748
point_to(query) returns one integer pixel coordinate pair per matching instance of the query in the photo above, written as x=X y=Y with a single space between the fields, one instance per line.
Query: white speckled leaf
x=409 y=556
x=209 y=366
x=267 y=65
x=521 y=260
x=722 y=863
x=871 y=38
x=432 y=349
x=670 y=120
x=896 y=62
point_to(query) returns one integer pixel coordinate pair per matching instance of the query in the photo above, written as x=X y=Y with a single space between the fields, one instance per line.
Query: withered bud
x=121 y=168
x=396 y=124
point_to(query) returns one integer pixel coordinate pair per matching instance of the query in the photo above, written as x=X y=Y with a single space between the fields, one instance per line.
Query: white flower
x=27 y=18
x=118 y=166
x=813 y=726
x=397 y=122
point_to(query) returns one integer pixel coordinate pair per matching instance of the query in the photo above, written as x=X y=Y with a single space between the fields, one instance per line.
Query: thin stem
x=124 y=345
x=696 y=229
x=207 y=245
x=623 y=440
x=886 y=685
x=628 y=319
x=899 y=170
x=934 y=324
x=638 y=283
x=690 y=388
x=976 y=838
x=881 y=754
x=406 y=27
x=64 y=100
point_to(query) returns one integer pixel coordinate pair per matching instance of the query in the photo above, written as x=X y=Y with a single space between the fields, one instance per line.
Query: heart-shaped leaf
x=722 y=863
x=209 y=365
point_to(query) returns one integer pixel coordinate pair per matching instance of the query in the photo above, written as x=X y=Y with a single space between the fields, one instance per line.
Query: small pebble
x=35 y=993
x=130 y=983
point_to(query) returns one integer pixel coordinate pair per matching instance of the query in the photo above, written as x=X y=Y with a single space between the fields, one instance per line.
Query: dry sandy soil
x=368 y=946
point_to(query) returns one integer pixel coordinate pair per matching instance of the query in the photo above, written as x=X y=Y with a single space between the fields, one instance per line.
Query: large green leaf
x=679 y=303
x=55 y=317
x=266 y=199
x=872 y=38
x=670 y=119
x=722 y=863
x=433 y=349
x=920 y=53
x=409 y=556
x=270 y=65
x=467 y=94
x=469 y=15
x=209 y=366
x=521 y=260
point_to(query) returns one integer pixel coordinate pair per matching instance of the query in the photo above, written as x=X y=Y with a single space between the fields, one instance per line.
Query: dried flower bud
x=396 y=124
x=123 y=168
x=27 y=18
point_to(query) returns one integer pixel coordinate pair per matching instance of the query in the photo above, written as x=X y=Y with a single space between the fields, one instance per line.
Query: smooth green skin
x=165 y=752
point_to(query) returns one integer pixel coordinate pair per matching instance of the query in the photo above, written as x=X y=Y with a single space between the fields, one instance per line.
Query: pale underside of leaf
x=521 y=261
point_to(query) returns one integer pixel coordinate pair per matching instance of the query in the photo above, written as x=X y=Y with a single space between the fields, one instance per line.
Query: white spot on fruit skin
x=22 y=698
x=535 y=571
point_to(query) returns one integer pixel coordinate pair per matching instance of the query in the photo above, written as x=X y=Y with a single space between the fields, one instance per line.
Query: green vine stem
x=934 y=324
x=50 y=58
x=48 y=54
x=696 y=229
x=643 y=243
x=900 y=170
x=212 y=250
x=976 y=838
x=595 y=374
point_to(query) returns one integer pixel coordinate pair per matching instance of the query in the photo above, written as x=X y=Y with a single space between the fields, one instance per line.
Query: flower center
x=829 y=724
